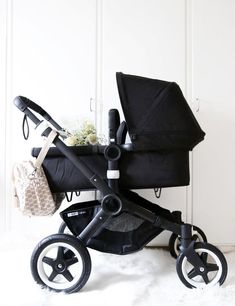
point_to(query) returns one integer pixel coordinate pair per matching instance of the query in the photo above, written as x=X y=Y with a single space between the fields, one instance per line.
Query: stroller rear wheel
x=204 y=266
x=61 y=262
x=174 y=242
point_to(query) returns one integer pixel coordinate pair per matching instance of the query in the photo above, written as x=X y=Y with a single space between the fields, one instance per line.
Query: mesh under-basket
x=121 y=234
x=124 y=234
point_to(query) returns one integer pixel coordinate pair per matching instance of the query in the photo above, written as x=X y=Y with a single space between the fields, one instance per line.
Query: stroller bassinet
x=162 y=130
x=138 y=170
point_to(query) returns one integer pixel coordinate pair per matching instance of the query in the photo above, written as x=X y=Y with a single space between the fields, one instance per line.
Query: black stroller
x=162 y=130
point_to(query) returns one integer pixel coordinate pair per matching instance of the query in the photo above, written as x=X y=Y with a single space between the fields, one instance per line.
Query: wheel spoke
x=204 y=257
x=52 y=276
x=192 y=273
x=205 y=278
x=67 y=275
x=71 y=261
x=194 y=259
x=48 y=260
x=60 y=253
x=212 y=267
x=68 y=254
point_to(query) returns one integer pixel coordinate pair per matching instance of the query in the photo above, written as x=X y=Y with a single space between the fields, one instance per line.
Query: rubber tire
x=210 y=247
x=75 y=243
x=174 y=237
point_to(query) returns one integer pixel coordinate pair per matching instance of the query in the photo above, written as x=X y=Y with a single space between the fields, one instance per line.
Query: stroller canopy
x=157 y=114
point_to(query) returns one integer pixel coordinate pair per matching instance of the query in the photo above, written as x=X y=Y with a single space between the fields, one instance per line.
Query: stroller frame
x=113 y=202
x=108 y=190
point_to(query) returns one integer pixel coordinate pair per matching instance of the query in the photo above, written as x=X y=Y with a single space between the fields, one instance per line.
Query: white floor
x=146 y=278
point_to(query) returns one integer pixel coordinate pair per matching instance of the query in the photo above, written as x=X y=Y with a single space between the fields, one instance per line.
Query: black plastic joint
x=186 y=235
x=112 y=152
x=111 y=204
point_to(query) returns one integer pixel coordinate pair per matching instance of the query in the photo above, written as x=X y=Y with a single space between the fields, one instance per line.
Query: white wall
x=213 y=87
x=51 y=59
x=64 y=53
x=2 y=113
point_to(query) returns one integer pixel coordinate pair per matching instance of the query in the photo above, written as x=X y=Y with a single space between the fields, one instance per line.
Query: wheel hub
x=201 y=269
x=60 y=266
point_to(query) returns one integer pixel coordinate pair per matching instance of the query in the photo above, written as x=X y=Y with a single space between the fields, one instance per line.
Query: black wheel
x=208 y=269
x=63 y=229
x=61 y=262
x=174 y=242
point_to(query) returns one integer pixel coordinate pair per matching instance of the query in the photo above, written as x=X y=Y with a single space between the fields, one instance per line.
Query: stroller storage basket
x=138 y=169
x=79 y=215
x=122 y=234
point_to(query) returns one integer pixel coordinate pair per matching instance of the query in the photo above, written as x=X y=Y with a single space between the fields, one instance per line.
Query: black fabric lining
x=156 y=104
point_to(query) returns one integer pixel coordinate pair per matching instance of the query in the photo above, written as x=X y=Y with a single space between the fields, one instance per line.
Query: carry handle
x=23 y=104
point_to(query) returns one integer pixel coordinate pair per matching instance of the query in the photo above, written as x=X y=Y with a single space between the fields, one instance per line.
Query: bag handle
x=45 y=149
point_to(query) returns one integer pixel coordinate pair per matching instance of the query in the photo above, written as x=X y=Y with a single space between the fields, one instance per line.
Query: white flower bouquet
x=83 y=136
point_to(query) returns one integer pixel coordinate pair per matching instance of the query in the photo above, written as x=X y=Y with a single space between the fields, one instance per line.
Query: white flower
x=71 y=140
x=84 y=135
x=92 y=139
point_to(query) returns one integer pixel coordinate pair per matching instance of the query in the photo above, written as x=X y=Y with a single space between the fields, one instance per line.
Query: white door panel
x=213 y=161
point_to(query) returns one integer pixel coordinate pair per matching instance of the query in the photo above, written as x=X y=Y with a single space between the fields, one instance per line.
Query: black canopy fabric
x=157 y=114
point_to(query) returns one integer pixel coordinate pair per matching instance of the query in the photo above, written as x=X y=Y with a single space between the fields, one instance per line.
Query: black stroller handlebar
x=23 y=103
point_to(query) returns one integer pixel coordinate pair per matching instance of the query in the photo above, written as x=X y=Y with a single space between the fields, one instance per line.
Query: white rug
x=146 y=278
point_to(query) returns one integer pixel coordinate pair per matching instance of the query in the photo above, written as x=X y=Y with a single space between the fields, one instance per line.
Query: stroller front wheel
x=204 y=266
x=61 y=263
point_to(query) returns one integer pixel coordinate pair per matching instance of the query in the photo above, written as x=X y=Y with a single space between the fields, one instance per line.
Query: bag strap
x=45 y=149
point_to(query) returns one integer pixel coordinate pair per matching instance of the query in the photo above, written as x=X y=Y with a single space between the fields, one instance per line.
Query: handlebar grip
x=114 y=122
x=22 y=103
